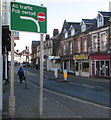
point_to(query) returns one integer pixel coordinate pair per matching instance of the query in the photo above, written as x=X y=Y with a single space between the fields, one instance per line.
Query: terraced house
x=100 y=46
x=86 y=51
x=83 y=48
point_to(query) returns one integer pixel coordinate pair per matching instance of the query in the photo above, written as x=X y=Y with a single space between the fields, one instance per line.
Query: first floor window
x=103 y=41
x=79 y=46
x=95 y=43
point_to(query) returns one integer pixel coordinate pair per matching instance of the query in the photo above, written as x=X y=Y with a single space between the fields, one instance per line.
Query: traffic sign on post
x=28 y=18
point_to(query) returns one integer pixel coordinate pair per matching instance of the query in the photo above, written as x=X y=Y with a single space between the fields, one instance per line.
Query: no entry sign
x=29 y=18
x=41 y=17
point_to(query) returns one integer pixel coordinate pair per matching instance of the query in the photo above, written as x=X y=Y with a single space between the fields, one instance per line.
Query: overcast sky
x=60 y=10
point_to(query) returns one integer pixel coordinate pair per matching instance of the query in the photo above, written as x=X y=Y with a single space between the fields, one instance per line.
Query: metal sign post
x=12 y=97
x=41 y=75
x=22 y=17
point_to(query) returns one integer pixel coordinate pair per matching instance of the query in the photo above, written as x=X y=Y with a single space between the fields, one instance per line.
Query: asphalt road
x=72 y=99
x=94 y=92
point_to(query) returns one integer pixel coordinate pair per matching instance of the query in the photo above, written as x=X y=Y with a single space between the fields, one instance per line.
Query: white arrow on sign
x=30 y=18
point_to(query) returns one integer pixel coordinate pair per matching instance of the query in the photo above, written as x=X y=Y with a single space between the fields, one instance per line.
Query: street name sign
x=28 y=18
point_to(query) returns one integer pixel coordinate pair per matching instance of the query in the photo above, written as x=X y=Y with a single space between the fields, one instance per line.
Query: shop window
x=97 y=68
x=102 y=68
x=85 y=67
x=107 y=68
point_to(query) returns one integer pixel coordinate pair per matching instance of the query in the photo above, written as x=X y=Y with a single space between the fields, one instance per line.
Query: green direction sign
x=29 y=18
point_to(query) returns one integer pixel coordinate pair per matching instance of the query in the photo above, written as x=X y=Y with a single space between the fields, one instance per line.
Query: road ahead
x=75 y=98
x=93 y=92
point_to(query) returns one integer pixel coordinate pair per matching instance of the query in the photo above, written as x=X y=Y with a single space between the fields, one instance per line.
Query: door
x=80 y=68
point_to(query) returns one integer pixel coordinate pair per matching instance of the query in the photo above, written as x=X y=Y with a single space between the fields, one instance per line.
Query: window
x=103 y=41
x=65 y=33
x=83 y=27
x=64 y=49
x=100 y=20
x=85 y=45
x=72 y=31
x=79 y=45
x=70 y=46
x=95 y=43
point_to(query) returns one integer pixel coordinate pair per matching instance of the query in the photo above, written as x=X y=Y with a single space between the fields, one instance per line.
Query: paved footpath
x=27 y=103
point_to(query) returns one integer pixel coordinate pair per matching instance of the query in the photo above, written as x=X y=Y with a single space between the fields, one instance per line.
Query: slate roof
x=89 y=21
x=105 y=14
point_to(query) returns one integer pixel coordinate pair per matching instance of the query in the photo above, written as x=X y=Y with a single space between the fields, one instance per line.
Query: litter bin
x=65 y=74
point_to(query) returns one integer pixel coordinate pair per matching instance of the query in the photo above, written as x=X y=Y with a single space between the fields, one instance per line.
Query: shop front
x=82 y=65
x=68 y=64
x=100 y=65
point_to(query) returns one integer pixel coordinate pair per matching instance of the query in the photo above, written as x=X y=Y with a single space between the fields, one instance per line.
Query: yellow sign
x=81 y=56
x=65 y=75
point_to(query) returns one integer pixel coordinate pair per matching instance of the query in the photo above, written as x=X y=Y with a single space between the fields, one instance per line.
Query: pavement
x=27 y=100
x=71 y=77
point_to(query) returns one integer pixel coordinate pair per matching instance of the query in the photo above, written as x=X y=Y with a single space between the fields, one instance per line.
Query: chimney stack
x=47 y=37
x=55 y=32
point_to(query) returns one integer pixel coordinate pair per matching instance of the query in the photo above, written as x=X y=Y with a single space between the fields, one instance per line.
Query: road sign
x=41 y=17
x=28 y=18
x=16 y=35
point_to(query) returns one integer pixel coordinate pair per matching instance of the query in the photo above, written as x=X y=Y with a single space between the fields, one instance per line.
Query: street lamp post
x=27 y=57
x=1 y=63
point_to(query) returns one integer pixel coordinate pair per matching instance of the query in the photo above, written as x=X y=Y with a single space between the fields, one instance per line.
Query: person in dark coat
x=21 y=74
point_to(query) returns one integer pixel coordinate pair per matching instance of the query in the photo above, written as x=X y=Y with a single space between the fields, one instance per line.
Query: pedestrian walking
x=20 y=73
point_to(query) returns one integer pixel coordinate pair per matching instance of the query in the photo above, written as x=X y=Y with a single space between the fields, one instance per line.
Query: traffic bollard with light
x=65 y=74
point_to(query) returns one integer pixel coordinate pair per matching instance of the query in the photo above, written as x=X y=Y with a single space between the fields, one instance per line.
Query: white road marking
x=85 y=85
x=72 y=98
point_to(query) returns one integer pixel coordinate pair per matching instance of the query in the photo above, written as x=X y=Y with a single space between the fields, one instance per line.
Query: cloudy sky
x=60 y=10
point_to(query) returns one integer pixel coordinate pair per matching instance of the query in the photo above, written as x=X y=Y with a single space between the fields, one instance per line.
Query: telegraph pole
x=1 y=62
x=12 y=97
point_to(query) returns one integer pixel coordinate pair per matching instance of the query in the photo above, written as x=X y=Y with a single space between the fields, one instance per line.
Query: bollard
x=56 y=73
x=65 y=74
